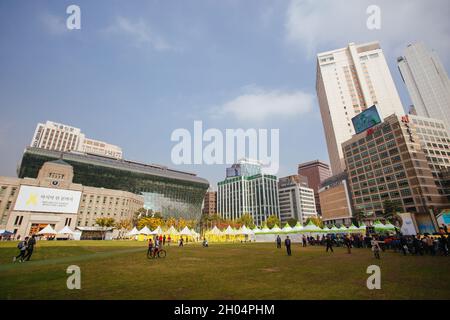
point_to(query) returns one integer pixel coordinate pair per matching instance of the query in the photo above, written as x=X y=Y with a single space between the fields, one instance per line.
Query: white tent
x=343 y=229
x=185 y=232
x=65 y=230
x=287 y=228
x=145 y=230
x=158 y=230
x=275 y=229
x=311 y=227
x=256 y=230
x=172 y=231
x=47 y=230
x=216 y=231
x=353 y=228
x=265 y=229
x=298 y=227
x=246 y=231
x=334 y=229
x=229 y=231
x=133 y=232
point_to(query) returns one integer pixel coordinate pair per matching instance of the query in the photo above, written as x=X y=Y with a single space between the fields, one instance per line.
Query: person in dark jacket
x=329 y=243
x=287 y=243
x=30 y=247
x=278 y=242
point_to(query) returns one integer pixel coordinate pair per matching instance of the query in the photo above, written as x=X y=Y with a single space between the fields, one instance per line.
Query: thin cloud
x=313 y=25
x=54 y=24
x=139 y=32
x=259 y=105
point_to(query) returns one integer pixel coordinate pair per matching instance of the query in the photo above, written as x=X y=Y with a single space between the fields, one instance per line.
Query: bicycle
x=161 y=253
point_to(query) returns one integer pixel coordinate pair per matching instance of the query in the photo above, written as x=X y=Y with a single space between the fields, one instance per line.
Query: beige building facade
x=28 y=205
x=336 y=198
x=387 y=162
x=350 y=80
x=61 y=137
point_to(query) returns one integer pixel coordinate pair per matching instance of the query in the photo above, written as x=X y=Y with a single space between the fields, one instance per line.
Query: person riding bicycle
x=157 y=246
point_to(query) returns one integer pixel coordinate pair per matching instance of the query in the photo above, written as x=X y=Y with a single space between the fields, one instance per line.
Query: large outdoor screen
x=366 y=119
x=37 y=199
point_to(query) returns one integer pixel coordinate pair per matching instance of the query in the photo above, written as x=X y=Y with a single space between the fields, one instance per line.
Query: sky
x=138 y=70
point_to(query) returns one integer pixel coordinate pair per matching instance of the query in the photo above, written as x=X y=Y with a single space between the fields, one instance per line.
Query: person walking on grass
x=150 y=247
x=348 y=244
x=30 y=247
x=304 y=241
x=278 y=242
x=164 y=240
x=22 y=246
x=287 y=243
x=375 y=248
x=181 y=242
x=329 y=243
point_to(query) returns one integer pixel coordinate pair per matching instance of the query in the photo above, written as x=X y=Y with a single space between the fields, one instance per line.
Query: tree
x=247 y=220
x=272 y=220
x=292 y=222
x=316 y=220
x=105 y=223
x=391 y=209
x=150 y=222
x=359 y=215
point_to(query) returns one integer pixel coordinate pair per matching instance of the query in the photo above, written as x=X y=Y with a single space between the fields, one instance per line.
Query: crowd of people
x=420 y=244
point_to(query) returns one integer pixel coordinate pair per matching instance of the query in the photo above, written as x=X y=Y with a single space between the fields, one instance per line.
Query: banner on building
x=38 y=199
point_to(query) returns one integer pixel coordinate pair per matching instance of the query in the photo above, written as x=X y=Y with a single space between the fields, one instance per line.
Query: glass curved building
x=174 y=193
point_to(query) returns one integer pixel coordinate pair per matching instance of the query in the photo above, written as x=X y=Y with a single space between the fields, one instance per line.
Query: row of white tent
x=48 y=230
x=158 y=231
x=298 y=228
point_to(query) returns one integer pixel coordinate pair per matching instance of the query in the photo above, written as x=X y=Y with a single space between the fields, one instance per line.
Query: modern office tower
x=28 y=205
x=173 y=193
x=435 y=142
x=348 y=81
x=60 y=137
x=296 y=199
x=387 y=162
x=427 y=82
x=210 y=203
x=316 y=172
x=248 y=190
x=336 y=200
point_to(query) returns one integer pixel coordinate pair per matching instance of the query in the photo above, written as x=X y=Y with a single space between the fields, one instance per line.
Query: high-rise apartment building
x=316 y=172
x=349 y=80
x=427 y=82
x=296 y=199
x=387 y=162
x=61 y=137
x=435 y=142
x=210 y=203
x=248 y=190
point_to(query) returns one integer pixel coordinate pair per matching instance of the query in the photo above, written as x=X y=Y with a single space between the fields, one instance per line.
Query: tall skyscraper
x=427 y=82
x=316 y=172
x=349 y=80
x=61 y=137
x=247 y=190
x=210 y=203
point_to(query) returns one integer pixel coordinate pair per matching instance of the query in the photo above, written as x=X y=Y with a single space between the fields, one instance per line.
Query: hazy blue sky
x=137 y=70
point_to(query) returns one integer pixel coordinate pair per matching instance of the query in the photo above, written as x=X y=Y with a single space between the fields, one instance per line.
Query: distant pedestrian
x=30 y=247
x=168 y=240
x=181 y=242
x=329 y=243
x=375 y=248
x=164 y=240
x=304 y=241
x=278 y=242
x=348 y=244
x=22 y=246
x=287 y=243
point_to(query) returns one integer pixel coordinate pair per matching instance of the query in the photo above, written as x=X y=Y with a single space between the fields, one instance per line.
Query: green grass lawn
x=120 y=270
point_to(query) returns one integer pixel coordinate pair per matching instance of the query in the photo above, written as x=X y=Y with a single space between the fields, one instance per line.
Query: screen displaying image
x=366 y=119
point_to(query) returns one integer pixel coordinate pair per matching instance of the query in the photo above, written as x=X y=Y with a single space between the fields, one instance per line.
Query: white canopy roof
x=287 y=228
x=185 y=232
x=171 y=230
x=145 y=230
x=47 y=230
x=265 y=229
x=275 y=228
x=311 y=227
x=256 y=230
x=215 y=231
x=133 y=232
x=298 y=227
x=158 y=230
x=65 y=230
x=229 y=231
x=246 y=231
